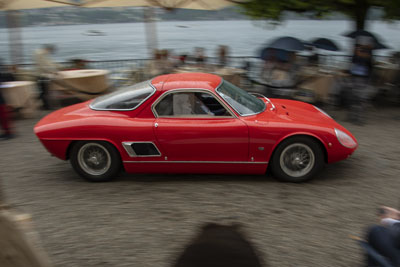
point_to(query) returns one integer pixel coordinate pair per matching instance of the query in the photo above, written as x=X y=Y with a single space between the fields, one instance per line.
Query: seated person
x=189 y=103
x=282 y=74
x=183 y=104
x=385 y=237
x=199 y=56
x=313 y=58
x=4 y=113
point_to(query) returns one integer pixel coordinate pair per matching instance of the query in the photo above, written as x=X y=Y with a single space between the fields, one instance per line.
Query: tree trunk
x=15 y=37
x=360 y=19
x=151 y=30
x=360 y=14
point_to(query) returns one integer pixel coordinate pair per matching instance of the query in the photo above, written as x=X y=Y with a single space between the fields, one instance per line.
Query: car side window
x=184 y=104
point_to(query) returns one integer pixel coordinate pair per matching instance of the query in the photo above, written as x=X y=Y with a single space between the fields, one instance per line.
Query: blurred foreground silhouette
x=219 y=246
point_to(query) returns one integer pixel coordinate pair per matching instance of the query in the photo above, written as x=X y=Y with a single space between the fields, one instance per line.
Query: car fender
x=119 y=148
x=299 y=134
x=60 y=147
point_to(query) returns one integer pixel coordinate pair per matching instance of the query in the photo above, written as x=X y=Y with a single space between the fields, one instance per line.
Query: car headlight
x=345 y=139
x=323 y=112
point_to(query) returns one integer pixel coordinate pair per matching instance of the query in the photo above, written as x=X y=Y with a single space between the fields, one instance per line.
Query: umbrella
x=362 y=34
x=268 y=53
x=29 y=4
x=166 y=4
x=325 y=44
x=287 y=43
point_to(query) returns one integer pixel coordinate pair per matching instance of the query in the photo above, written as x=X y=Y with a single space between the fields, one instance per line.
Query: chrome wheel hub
x=297 y=160
x=94 y=159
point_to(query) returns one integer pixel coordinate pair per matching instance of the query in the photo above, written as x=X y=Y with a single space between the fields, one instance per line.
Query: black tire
x=297 y=159
x=96 y=161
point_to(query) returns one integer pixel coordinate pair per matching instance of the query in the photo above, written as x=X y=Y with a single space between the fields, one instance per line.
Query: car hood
x=298 y=115
x=296 y=112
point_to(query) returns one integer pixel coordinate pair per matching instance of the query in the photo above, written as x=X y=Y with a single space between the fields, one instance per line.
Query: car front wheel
x=297 y=159
x=96 y=161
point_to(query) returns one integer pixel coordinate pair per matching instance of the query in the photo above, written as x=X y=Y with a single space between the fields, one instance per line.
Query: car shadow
x=160 y=178
x=333 y=172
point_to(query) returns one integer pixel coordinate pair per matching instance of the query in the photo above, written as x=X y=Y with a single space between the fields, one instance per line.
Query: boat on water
x=94 y=33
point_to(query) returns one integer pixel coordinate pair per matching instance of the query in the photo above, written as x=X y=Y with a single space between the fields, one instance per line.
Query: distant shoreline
x=70 y=15
x=186 y=21
x=113 y=41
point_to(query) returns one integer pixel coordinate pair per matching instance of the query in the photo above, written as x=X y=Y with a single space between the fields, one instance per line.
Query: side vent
x=141 y=149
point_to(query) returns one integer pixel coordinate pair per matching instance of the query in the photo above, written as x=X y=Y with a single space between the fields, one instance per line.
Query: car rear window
x=127 y=98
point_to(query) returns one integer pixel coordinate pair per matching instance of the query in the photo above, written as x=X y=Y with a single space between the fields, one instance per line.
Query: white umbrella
x=30 y=4
x=167 y=4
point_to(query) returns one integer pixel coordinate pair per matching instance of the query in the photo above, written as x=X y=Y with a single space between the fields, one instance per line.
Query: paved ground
x=145 y=220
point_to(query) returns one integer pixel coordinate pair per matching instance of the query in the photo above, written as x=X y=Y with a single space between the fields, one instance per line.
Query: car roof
x=186 y=80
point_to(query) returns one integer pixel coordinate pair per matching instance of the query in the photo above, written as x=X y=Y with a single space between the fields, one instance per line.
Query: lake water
x=128 y=40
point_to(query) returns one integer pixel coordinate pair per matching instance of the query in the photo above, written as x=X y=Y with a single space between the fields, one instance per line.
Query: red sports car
x=194 y=123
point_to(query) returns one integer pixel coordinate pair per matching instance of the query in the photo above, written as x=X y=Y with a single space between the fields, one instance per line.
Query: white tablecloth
x=84 y=84
x=20 y=95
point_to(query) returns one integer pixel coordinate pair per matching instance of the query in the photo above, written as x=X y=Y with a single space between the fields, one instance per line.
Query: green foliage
x=355 y=9
x=391 y=8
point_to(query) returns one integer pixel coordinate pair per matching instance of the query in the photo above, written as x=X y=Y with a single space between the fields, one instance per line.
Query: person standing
x=361 y=70
x=222 y=55
x=199 y=56
x=46 y=69
x=385 y=237
x=4 y=114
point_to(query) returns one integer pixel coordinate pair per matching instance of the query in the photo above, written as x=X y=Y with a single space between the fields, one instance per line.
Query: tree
x=357 y=10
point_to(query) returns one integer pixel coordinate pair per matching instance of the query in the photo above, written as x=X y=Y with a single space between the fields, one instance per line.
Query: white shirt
x=389 y=221
x=44 y=65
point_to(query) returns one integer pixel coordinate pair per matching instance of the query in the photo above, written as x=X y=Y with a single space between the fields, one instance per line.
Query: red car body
x=230 y=145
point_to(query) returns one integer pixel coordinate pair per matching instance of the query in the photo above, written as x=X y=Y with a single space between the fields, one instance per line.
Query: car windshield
x=241 y=101
x=127 y=98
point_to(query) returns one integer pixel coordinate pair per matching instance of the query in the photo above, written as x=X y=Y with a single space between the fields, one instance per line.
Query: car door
x=194 y=126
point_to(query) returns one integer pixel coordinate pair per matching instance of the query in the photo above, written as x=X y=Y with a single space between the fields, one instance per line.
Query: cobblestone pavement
x=145 y=220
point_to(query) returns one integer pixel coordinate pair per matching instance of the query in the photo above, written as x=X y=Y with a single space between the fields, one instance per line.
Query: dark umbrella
x=274 y=54
x=325 y=44
x=287 y=43
x=362 y=33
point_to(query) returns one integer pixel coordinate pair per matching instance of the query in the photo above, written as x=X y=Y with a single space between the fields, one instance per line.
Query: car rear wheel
x=96 y=161
x=297 y=159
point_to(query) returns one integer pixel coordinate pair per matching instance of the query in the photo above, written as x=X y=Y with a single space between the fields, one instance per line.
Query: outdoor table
x=83 y=84
x=21 y=96
x=386 y=73
x=320 y=85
